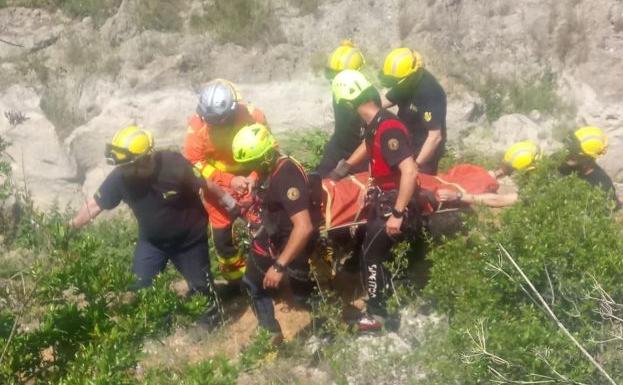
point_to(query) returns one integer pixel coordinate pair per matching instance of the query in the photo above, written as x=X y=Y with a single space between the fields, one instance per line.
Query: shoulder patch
x=428 y=116
x=393 y=144
x=293 y=193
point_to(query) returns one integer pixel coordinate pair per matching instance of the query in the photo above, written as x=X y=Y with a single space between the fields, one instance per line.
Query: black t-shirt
x=395 y=143
x=421 y=105
x=166 y=205
x=286 y=194
x=597 y=178
x=347 y=134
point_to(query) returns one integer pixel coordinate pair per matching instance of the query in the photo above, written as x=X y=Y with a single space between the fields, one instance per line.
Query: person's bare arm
x=358 y=156
x=87 y=212
x=301 y=232
x=429 y=147
x=408 y=173
x=487 y=199
x=491 y=200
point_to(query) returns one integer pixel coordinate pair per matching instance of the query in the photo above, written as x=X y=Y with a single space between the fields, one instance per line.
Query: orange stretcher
x=343 y=202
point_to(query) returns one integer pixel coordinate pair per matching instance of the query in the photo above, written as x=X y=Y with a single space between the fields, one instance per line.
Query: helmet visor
x=118 y=155
x=221 y=118
x=387 y=81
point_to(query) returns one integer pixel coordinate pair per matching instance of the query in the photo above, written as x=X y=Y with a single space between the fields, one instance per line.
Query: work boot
x=211 y=319
x=276 y=338
x=229 y=291
x=369 y=323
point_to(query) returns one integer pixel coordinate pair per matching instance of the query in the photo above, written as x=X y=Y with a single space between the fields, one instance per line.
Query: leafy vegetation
x=160 y=15
x=563 y=236
x=242 y=22
x=306 y=146
x=99 y=10
x=503 y=96
x=70 y=319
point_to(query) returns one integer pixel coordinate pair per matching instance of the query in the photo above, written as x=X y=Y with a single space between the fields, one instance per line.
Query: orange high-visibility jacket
x=209 y=149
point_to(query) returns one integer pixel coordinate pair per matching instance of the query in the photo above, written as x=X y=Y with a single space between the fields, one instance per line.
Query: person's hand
x=340 y=171
x=239 y=184
x=392 y=226
x=446 y=195
x=251 y=182
x=272 y=278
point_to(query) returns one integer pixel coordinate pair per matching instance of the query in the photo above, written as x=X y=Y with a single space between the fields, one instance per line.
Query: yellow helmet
x=522 y=155
x=348 y=85
x=252 y=142
x=590 y=141
x=345 y=57
x=128 y=145
x=401 y=63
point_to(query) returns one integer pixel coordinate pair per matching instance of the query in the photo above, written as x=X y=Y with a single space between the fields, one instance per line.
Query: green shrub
x=503 y=96
x=5 y=173
x=59 y=105
x=99 y=10
x=563 y=235
x=306 y=146
x=452 y=157
x=159 y=15
x=243 y=22
x=93 y=334
x=215 y=371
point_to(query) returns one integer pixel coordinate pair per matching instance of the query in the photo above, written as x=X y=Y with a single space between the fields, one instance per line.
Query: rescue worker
x=584 y=146
x=220 y=114
x=284 y=243
x=421 y=105
x=521 y=156
x=346 y=135
x=163 y=192
x=387 y=145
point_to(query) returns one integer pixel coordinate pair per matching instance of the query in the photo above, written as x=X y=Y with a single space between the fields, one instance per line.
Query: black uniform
x=421 y=105
x=283 y=194
x=171 y=219
x=597 y=178
x=344 y=141
x=395 y=146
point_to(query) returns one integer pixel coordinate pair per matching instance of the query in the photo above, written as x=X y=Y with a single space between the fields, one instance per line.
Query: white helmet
x=217 y=102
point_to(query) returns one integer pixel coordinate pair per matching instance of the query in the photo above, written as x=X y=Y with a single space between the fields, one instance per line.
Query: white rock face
x=513 y=128
x=117 y=74
x=39 y=160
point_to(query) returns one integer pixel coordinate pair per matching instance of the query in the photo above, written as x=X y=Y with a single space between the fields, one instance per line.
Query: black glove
x=230 y=205
x=340 y=171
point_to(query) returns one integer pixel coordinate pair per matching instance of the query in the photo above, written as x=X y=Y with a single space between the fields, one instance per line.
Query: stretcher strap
x=327 y=210
x=457 y=186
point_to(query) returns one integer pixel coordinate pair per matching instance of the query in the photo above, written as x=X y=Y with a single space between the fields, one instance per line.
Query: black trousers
x=376 y=250
x=224 y=242
x=261 y=300
x=193 y=262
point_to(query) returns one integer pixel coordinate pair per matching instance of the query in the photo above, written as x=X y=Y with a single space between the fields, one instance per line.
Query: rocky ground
x=78 y=79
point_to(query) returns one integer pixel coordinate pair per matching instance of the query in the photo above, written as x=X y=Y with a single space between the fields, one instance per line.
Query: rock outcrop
x=80 y=80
